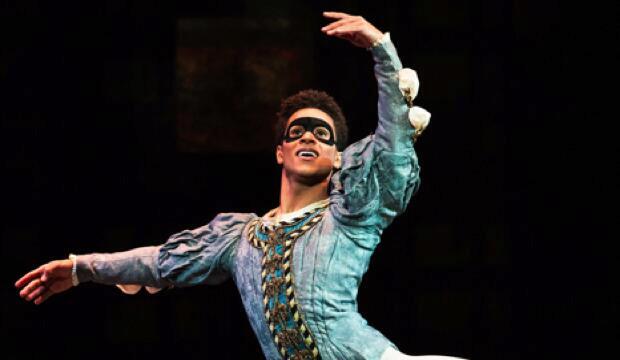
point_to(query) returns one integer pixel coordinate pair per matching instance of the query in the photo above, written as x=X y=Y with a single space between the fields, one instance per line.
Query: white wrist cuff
x=385 y=38
x=74 y=278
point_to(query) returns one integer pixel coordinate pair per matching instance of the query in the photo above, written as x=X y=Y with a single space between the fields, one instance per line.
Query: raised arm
x=380 y=172
x=399 y=120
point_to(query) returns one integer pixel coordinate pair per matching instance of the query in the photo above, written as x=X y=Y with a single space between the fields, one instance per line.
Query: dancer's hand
x=45 y=281
x=353 y=28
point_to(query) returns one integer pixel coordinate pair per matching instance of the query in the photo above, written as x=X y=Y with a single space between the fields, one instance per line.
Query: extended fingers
x=36 y=293
x=346 y=29
x=36 y=273
x=31 y=287
x=338 y=23
x=335 y=14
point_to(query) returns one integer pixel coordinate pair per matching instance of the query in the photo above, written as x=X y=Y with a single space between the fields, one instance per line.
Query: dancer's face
x=308 y=153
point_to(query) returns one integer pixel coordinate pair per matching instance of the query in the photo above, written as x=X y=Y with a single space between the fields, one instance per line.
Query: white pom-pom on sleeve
x=409 y=84
x=419 y=118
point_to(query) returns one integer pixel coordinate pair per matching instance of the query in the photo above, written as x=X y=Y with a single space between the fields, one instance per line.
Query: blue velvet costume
x=378 y=176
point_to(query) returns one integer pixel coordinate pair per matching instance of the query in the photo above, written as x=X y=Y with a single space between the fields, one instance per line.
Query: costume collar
x=270 y=219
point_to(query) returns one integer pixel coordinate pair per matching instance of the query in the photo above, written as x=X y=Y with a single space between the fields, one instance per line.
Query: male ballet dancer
x=298 y=267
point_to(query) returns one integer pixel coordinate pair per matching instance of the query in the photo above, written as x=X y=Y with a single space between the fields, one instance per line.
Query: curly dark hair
x=312 y=99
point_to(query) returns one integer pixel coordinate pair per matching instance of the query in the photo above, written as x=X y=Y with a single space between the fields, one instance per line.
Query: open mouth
x=307 y=153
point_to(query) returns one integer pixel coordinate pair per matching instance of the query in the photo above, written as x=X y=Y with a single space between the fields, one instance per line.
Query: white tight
x=392 y=354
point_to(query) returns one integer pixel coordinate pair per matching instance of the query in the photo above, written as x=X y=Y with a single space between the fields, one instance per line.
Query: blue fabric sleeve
x=191 y=257
x=379 y=173
x=203 y=255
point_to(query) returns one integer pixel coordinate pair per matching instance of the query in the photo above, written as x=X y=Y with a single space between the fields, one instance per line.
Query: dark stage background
x=124 y=122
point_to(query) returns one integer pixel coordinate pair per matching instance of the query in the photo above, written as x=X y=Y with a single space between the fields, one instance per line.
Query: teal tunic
x=379 y=174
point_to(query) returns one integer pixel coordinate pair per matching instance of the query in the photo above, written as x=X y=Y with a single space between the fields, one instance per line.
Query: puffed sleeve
x=190 y=257
x=379 y=173
x=373 y=186
x=203 y=255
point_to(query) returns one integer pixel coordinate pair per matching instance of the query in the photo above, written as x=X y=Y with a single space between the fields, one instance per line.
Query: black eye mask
x=321 y=130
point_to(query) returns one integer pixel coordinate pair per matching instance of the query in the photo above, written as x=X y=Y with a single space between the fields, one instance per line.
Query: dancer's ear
x=279 y=155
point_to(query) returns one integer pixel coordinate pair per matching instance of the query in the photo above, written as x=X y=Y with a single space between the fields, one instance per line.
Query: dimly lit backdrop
x=127 y=121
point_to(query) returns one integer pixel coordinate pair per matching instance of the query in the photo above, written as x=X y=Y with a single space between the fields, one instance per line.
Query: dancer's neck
x=295 y=195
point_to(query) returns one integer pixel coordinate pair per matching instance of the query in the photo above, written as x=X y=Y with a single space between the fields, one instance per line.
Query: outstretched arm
x=138 y=266
x=188 y=258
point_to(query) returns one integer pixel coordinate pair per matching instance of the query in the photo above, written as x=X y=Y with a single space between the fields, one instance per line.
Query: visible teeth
x=307 y=153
